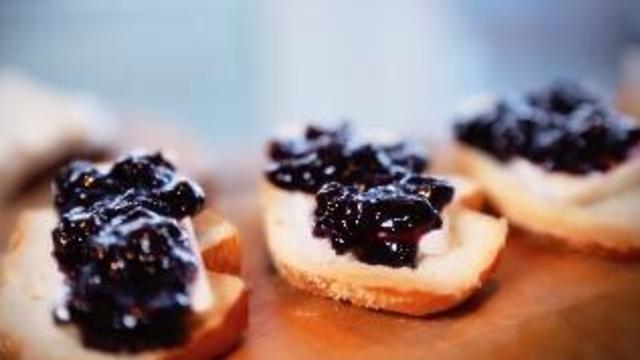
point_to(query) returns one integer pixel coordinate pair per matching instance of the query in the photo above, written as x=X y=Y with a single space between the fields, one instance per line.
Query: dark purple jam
x=325 y=155
x=126 y=257
x=146 y=179
x=371 y=200
x=563 y=127
x=381 y=224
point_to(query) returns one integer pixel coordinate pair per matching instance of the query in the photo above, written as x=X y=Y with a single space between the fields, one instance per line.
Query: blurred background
x=231 y=70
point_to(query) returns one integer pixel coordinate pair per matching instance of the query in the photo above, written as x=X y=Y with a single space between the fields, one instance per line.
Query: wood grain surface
x=542 y=303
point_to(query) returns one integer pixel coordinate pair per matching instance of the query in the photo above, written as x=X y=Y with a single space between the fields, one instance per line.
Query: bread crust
x=223 y=328
x=606 y=225
x=399 y=290
x=219 y=243
x=213 y=333
x=412 y=302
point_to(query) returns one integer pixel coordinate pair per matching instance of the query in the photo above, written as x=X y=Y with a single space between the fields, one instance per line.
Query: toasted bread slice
x=439 y=281
x=41 y=128
x=598 y=214
x=30 y=282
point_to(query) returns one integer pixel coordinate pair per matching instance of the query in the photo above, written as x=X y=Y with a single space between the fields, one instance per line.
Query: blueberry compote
x=371 y=200
x=126 y=257
x=381 y=224
x=563 y=127
x=325 y=155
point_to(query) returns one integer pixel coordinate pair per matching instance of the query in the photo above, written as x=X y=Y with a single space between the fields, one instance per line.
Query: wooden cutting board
x=542 y=303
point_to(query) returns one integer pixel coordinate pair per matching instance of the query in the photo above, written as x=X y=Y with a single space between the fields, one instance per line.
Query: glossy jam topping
x=371 y=200
x=325 y=155
x=563 y=127
x=381 y=224
x=126 y=257
x=147 y=179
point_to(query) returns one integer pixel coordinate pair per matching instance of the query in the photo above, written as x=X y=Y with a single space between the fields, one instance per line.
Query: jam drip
x=371 y=200
x=563 y=127
x=326 y=155
x=126 y=258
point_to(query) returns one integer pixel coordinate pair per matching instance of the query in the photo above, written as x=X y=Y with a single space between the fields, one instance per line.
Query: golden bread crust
x=605 y=226
x=219 y=243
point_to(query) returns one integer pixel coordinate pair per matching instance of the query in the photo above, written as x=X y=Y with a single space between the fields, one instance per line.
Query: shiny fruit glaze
x=371 y=200
x=562 y=128
x=126 y=257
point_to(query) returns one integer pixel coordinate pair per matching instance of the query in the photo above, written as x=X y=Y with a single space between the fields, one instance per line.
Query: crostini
x=559 y=162
x=357 y=221
x=118 y=269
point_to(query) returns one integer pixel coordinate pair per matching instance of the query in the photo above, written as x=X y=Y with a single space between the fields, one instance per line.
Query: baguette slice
x=601 y=216
x=438 y=283
x=29 y=282
x=41 y=128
